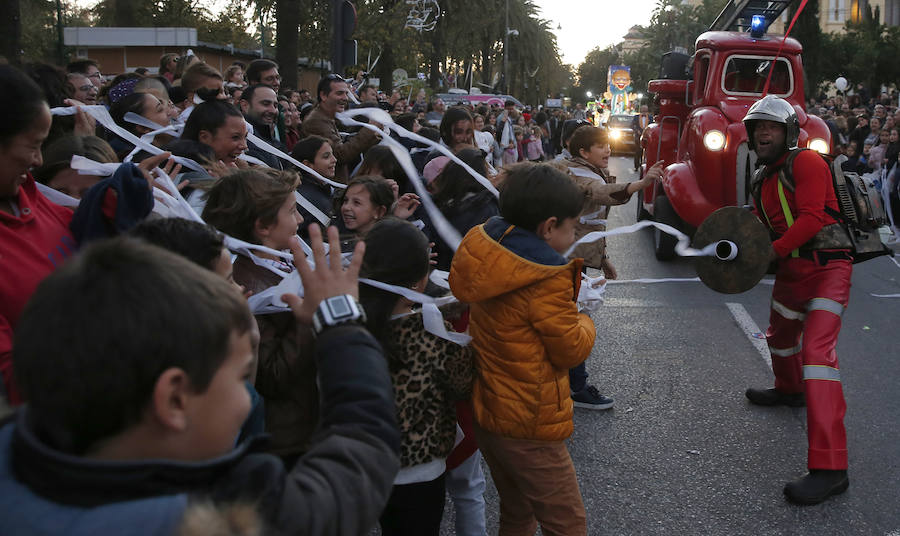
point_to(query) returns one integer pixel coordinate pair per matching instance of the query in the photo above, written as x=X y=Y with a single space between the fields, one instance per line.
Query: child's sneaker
x=590 y=398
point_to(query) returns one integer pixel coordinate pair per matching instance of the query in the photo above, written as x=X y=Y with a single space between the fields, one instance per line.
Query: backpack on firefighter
x=860 y=216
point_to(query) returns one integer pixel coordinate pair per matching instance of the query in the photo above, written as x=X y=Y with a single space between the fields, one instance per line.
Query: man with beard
x=332 y=92
x=794 y=196
x=258 y=104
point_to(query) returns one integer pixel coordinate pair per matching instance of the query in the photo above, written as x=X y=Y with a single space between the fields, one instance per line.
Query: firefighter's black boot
x=816 y=486
x=772 y=397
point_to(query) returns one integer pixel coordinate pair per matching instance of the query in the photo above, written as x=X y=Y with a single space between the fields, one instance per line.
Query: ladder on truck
x=737 y=15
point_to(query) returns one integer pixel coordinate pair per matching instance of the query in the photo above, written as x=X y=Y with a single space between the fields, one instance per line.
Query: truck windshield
x=746 y=75
x=619 y=121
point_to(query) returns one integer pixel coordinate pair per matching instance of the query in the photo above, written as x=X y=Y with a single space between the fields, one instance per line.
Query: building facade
x=122 y=50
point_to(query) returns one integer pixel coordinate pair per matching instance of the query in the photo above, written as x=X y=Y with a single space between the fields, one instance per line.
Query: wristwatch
x=337 y=310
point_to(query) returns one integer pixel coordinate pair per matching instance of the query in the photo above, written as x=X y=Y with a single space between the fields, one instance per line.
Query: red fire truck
x=698 y=131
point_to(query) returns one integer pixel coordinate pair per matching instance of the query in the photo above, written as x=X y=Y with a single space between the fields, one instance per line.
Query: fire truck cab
x=698 y=131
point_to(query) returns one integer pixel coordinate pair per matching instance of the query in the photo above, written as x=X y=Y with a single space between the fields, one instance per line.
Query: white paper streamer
x=440 y=278
x=590 y=295
x=86 y=166
x=682 y=248
x=101 y=114
x=443 y=227
x=380 y=116
x=262 y=145
x=586 y=173
x=57 y=197
x=652 y=281
x=312 y=209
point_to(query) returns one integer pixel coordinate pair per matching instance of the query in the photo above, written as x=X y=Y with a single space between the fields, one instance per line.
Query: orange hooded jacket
x=526 y=329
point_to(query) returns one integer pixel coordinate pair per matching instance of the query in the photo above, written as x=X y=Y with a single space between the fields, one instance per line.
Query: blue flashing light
x=757 y=26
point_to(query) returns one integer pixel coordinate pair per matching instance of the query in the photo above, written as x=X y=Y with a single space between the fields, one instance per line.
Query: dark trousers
x=638 y=151
x=414 y=509
x=578 y=377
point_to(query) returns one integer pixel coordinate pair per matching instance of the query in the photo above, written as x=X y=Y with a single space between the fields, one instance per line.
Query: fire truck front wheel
x=663 y=243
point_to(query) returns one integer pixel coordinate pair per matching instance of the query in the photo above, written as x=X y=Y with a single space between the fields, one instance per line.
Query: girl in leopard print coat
x=429 y=375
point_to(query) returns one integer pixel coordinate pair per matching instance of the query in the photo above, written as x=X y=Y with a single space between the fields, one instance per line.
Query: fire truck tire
x=642 y=213
x=664 y=244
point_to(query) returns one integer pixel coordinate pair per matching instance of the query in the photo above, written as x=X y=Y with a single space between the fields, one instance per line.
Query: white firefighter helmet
x=772 y=108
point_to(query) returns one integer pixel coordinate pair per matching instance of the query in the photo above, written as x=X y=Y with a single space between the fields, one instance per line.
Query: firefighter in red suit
x=812 y=288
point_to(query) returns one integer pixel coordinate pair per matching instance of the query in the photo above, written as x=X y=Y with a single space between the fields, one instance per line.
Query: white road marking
x=756 y=336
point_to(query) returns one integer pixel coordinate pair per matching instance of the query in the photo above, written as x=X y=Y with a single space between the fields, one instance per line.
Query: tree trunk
x=10 y=31
x=287 y=20
x=385 y=68
x=486 y=63
x=437 y=51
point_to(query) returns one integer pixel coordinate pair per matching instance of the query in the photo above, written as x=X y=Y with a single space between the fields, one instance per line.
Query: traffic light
x=343 y=48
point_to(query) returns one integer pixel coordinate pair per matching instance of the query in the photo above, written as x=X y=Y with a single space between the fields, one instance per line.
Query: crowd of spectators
x=866 y=129
x=153 y=384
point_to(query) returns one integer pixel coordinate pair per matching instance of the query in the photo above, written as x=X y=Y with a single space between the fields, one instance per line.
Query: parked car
x=477 y=99
x=621 y=136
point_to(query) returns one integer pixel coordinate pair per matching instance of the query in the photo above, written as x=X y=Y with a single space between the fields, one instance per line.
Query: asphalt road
x=682 y=452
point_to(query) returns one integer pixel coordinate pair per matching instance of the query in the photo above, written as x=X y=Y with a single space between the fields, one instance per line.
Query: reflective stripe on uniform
x=821 y=372
x=786 y=352
x=787 y=313
x=825 y=304
x=788 y=217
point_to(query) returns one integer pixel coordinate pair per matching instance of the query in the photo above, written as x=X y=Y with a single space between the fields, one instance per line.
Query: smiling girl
x=317 y=153
x=369 y=199
x=219 y=125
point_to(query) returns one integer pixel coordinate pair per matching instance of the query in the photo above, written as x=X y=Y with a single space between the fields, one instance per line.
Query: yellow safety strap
x=788 y=217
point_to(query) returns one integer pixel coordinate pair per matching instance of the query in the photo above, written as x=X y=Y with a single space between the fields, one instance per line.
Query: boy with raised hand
x=528 y=332
x=132 y=414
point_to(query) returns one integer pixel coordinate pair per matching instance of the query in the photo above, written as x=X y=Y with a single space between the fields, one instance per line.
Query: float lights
x=757 y=26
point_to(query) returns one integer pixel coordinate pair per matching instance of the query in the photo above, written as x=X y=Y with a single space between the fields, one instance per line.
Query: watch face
x=339 y=308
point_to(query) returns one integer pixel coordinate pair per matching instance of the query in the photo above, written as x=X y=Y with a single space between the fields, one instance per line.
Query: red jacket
x=813 y=190
x=31 y=246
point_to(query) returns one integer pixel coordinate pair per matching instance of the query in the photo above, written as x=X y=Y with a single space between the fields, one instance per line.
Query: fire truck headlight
x=714 y=140
x=819 y=145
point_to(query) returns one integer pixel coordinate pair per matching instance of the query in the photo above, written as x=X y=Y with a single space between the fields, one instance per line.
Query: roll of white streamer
x=726 y=250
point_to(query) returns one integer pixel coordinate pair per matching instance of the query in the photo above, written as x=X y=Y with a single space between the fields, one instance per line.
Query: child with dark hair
x=527 y=332
x=315 y=152
x=588 y=168
x=258 y=206
x=368 y=199
x=381 y=162
x=219 y=125
x=201 y=244
x=131 y=430
x=429 y=374
x=56 y=171
x=464 y=201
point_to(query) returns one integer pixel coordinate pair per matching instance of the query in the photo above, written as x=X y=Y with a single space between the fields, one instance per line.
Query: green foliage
x=866 y=53
x=39 y=27
x=229 y=27
x=468 y=38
